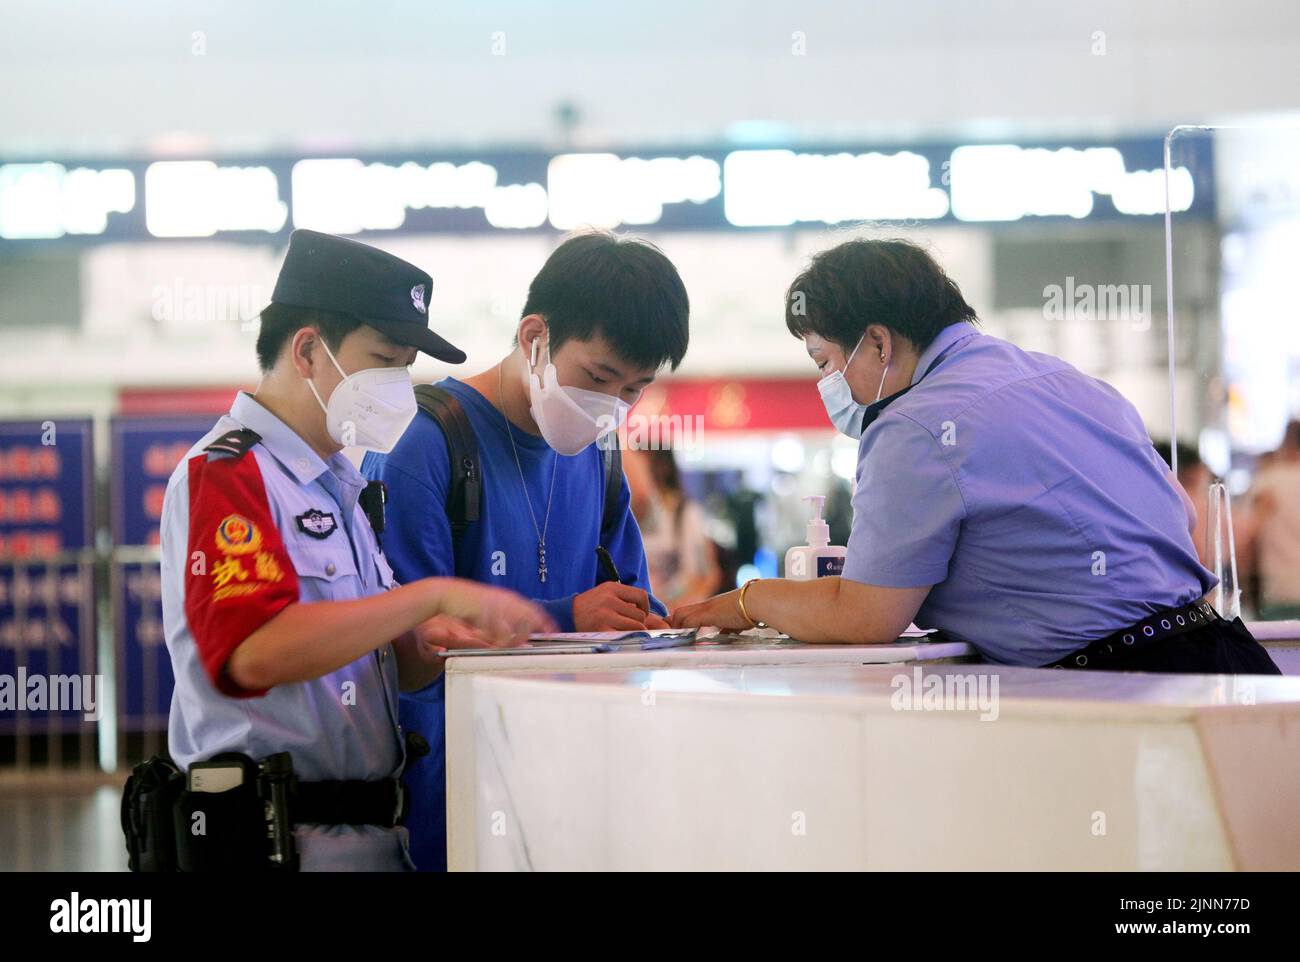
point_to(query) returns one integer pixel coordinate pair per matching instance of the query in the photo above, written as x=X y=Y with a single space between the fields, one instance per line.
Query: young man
x=286 y=630
x=602 y=317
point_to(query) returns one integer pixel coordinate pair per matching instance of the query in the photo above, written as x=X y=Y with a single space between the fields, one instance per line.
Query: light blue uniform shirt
x=340 y=726
x=1028 y=494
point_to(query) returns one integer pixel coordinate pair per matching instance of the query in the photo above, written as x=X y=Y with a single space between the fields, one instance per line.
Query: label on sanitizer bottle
x=830 y=567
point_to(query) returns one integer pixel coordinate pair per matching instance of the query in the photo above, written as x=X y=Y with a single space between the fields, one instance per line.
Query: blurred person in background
x=839 y=510
x=1195 y=479
x=682 y=559
x=1002 y=496
x=1275 y=525
x=640 y=486
x=603 y=316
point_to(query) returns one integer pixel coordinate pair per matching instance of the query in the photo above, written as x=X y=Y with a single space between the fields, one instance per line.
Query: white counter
x=723 y=651
x=1282 y=641
x=718 y=654
x=758 y=765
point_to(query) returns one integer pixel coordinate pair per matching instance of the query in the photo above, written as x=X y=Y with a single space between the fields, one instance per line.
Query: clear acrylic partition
x=1234 y=355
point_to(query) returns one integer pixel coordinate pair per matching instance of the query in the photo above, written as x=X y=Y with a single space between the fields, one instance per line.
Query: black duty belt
x=1111 y=650
x=383 y=803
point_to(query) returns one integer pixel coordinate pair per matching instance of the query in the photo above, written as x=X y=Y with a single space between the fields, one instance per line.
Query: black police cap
x=331 y=273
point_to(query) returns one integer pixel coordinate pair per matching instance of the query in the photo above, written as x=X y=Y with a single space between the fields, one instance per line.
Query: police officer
x=286 y=630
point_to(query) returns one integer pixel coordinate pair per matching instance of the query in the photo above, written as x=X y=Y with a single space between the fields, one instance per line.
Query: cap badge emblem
x=417 y=297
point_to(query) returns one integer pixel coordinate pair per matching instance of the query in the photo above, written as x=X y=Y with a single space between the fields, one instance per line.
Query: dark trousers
x=1217 y=646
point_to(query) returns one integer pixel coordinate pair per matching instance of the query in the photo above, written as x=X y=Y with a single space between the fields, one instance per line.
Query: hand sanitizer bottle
x=818 y=558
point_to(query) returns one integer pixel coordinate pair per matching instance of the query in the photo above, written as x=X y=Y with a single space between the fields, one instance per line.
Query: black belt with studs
x=1111 y=650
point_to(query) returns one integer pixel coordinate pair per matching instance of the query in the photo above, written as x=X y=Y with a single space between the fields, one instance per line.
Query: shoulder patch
x=236 y=534
x=232 y=444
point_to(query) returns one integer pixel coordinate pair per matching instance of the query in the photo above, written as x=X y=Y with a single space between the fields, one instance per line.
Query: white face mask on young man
x=571 y=419
x=844 y=412
x=371 y=408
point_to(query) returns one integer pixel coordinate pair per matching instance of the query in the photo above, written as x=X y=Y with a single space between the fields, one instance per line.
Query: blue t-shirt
x=500 y=549
x=1028 y=494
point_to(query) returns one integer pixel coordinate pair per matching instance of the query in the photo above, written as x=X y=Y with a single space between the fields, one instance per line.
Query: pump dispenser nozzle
x=819 y=532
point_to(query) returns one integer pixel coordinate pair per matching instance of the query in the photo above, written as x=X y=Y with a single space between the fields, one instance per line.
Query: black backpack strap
x=465 y=490
x=613 y=487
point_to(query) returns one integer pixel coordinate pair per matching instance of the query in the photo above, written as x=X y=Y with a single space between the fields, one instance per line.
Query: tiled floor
x=61 y=823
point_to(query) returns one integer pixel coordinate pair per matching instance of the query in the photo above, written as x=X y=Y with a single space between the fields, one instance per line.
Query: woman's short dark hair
x=621 y=288
x=861 y=282
x=281 y=321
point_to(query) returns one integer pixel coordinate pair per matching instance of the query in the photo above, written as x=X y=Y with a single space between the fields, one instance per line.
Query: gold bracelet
x=740 y=600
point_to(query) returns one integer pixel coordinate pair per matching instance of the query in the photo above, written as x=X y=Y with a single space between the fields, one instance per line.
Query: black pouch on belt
x=148 y=799
x=220 y=819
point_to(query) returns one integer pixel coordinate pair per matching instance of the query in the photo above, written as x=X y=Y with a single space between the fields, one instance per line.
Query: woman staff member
x=1001 y=495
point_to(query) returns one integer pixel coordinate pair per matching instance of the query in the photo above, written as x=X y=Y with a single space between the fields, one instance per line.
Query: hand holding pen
x=614 y=604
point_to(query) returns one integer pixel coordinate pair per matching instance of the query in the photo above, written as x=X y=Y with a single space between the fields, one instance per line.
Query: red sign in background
x=726 y=404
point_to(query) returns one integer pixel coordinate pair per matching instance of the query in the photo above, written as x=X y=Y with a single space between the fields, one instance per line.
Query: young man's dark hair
x=280 y=321
x=861 y=282
x=620 y=288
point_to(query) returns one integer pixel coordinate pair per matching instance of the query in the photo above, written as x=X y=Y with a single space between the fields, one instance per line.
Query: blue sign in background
x=46 y=606
x=145 y=451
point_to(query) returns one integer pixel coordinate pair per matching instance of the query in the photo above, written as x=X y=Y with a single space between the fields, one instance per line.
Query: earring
x=533 y=362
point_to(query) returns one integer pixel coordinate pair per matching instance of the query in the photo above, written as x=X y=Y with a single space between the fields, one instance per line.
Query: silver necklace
x=546 y=521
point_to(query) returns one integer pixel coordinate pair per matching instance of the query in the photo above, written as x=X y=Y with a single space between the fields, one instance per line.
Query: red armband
x=240 y=575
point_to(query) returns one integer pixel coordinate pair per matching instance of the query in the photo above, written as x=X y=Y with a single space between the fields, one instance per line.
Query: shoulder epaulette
x=232 y=444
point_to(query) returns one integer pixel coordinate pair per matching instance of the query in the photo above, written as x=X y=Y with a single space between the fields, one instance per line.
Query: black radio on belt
x=275 y=784
x=234 y=815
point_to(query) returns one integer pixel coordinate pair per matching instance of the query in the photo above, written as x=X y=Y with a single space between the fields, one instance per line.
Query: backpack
x=465 y=492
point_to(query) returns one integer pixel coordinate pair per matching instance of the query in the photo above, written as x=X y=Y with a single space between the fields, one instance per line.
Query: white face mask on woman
x=569 y=418
x=844 y=412
x=371 y=408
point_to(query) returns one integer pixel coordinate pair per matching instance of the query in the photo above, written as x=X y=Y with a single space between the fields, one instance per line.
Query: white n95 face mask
x=837 y=397
x=371 y=408
x=570 y=418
